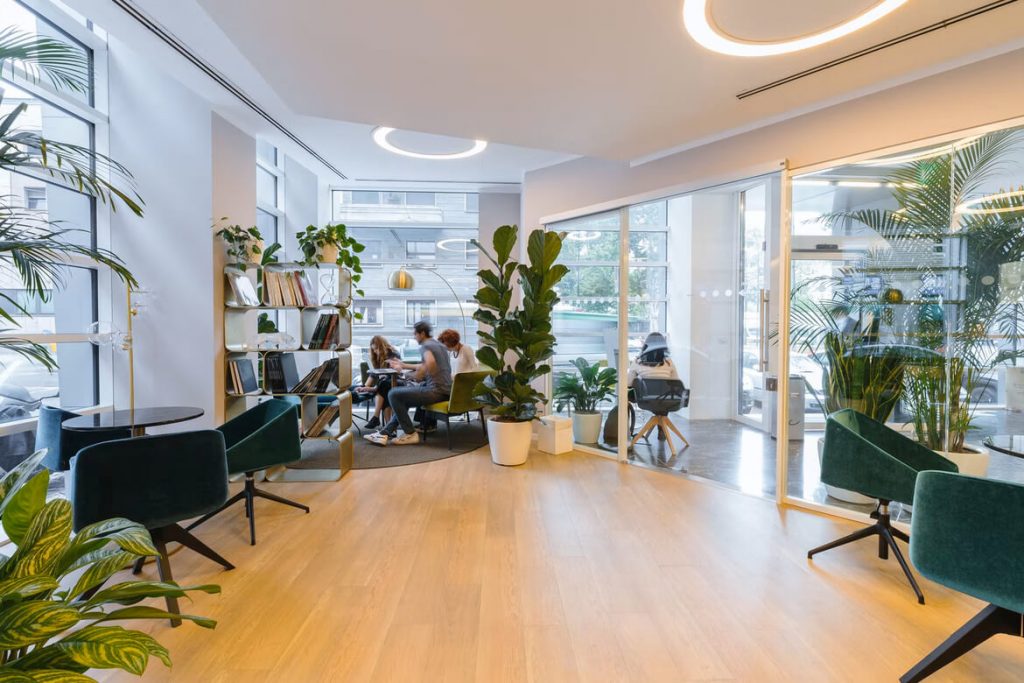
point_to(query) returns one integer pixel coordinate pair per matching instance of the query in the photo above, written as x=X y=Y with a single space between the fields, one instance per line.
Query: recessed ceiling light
x=696 y=17
x=971 y=205
x=381 y=133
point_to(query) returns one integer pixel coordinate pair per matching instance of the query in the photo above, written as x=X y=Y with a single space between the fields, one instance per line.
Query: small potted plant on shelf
x=244 y=245
x=583 y=391
x=517 y=340
x=332 y=244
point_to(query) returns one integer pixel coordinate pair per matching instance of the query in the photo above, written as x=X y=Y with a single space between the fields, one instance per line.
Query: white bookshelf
x=331 y=292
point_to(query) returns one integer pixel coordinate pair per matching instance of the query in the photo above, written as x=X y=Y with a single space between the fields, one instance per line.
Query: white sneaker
x=406 y=439
x=379 y=438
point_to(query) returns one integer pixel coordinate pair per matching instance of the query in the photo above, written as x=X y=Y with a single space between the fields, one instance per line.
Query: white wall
x=973 y=95
x=302 y=199
x=161 y=131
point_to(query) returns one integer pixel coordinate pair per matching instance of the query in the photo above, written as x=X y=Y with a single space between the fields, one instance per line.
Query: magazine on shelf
x=243 y=290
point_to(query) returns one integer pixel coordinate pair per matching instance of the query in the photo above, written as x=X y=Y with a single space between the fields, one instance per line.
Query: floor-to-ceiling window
x=66 y=319
x=429 y=235
x=906 y=269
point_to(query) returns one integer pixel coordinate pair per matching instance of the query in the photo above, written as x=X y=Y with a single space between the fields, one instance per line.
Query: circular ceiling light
x=971 y=205
x=696 y=17
x=582 y=235
x=381 y=133
x=457 y=244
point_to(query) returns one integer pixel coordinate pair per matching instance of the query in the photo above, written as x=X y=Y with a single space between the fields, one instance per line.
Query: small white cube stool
x=554 y=434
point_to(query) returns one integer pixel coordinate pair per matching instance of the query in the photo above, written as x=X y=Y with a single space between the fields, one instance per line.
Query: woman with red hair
x=463 y=357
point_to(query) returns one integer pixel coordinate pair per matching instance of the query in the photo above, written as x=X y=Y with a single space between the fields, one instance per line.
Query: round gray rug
x=466 y=437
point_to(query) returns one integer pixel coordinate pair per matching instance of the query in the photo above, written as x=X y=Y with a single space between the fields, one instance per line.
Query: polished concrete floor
x=743 y=458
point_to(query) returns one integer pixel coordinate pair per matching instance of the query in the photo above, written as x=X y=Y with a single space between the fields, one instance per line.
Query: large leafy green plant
x=38 y=249
x=312 y=241
x=517 y=340
x=56 y=612
x=584 y=389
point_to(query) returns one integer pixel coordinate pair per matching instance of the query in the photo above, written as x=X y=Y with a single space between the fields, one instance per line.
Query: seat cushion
x=440 y=407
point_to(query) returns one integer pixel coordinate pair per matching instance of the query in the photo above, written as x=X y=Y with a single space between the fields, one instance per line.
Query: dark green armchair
x=157 y=481
x=62 y=444
x=967 y=536
x=461 y=401
x=865 y=456
x=264 y=436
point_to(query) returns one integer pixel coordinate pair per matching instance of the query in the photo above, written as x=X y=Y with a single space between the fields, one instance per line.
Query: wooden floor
x=568 y=568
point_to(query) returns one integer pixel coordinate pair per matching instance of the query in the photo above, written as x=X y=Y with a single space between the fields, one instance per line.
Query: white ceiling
x=605 y=78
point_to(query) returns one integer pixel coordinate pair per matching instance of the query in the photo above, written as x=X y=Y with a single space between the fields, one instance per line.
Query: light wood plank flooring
x=570 y=568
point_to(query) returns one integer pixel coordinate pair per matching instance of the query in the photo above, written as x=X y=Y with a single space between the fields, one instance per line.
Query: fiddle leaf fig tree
x=517 y=340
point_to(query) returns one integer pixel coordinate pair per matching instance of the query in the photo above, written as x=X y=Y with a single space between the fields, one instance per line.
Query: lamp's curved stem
x=458 y=301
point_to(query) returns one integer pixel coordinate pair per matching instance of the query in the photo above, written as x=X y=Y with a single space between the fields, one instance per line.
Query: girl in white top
x=653 y=361
x=463 y=357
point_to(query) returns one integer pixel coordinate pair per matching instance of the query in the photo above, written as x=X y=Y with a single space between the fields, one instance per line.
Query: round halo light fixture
x=381 y=133
x=701 y=27
x=971 y=207
x=582 y=235
x=457 y=244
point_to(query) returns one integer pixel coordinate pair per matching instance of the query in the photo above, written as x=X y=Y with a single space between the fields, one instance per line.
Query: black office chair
x=660 y=397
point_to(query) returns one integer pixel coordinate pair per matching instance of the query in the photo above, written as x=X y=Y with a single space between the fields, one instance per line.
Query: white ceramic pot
x=844 y=495
x=973 y=463
x=586 y=427
x=509 y=441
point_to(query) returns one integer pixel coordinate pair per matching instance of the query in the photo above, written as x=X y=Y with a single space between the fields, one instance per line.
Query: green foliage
x=37 y=249
x=585 y=389
x=244 y=244
x=50 y=627
x=312 y=241
x=517 y=340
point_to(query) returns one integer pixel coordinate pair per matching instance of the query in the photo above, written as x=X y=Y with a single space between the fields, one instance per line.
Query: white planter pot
x=509 y=441
x=586 y=427
x=974 y=464
x=842 y=494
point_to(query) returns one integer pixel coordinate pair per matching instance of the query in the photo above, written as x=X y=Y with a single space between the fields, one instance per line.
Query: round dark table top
x=139 y=418
x=1011 y=444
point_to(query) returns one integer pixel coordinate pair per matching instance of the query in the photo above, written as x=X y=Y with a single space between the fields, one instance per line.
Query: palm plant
x=584 y=389
x=941 y=386
x=36 y=248
x=55 y=609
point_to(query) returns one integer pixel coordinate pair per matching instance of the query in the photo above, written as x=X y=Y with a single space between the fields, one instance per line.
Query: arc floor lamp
x=402 y=280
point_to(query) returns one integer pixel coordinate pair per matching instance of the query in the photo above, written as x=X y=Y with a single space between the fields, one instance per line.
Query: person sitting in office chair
x=652 y=362
x=381 y=351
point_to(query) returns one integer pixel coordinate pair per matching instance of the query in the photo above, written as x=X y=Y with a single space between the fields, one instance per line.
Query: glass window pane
x=266 y=152
x=266 y=187
x=419 y=198
x=68 y=307
x=266 y=222
x=14 y=14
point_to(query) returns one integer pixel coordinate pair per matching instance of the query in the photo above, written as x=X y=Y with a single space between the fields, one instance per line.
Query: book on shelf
x=241 y=376
x=281 y=375
x=325 y=333
x=324 y=418
x=319 y=379
x=287 y=288
x=243 y=290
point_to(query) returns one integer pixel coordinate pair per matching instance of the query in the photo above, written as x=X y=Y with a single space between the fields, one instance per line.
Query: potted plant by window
x=244 y=245
x=583 y=391
x=332 y=244
x=517 y=340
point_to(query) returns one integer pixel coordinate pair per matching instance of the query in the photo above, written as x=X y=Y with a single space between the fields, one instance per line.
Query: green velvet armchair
x=967 y=536
x=264 y=436
x=157 y=481
x=62 y=444
x=863 y=455
x=461 y=401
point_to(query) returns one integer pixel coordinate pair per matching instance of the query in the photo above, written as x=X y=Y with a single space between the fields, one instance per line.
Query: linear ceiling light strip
x=945 y=23
x=206 y=68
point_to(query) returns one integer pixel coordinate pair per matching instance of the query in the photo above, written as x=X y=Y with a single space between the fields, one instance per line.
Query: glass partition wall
x=907 y=301
x=689 y=276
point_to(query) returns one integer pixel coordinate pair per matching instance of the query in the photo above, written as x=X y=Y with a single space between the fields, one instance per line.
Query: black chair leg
x=887 y=536
x=176 y=533
x=989 y=622
x=163 y=567
x=241 y=495
x=137 y=567
x=278 y=499
x=448 y=428
x=483 y=425
x=250 y=512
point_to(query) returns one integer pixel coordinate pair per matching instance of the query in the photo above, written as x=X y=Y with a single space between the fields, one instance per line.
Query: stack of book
x=243 y=292
x=287 y=288
x=241 y=377
x=324 y=418
x=319 y=380
x=280 y=371
x=325 y=334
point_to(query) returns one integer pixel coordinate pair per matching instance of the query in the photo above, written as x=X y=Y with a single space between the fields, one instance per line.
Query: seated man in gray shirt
x=433 y=377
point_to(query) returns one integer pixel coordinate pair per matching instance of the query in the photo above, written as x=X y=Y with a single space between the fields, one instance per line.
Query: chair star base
x=991 y=621
x=249 y=494
x=887 y=535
